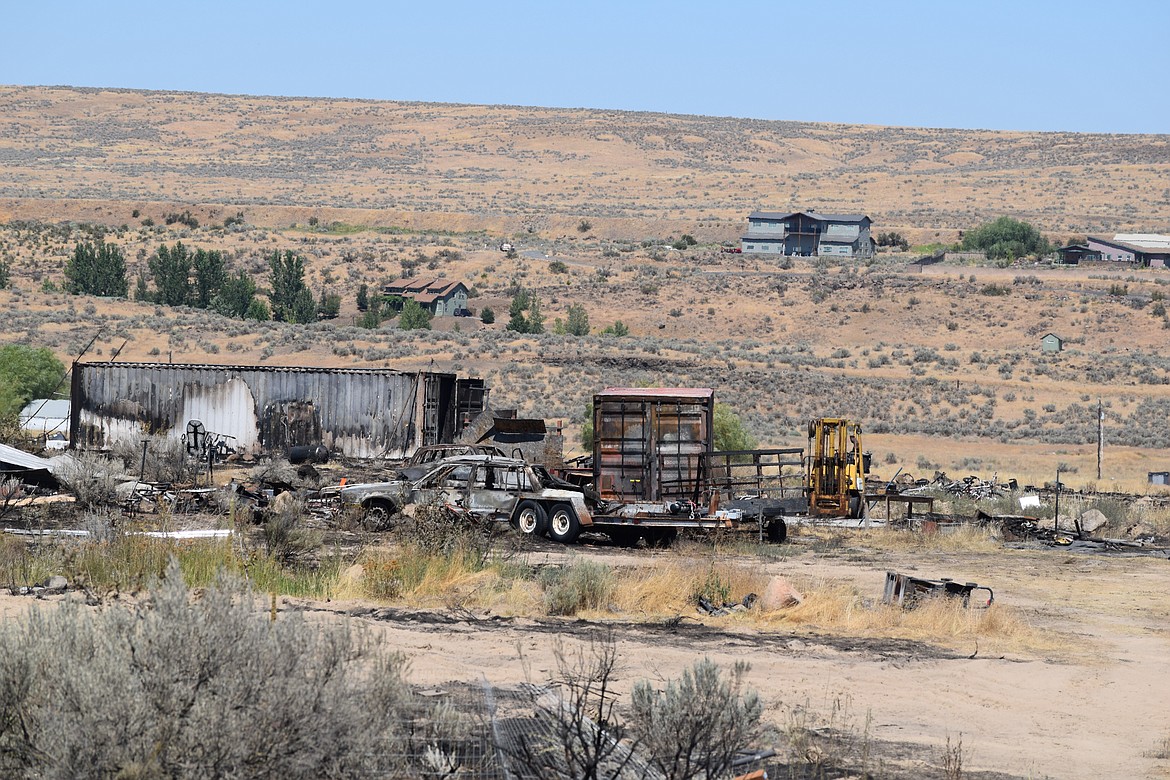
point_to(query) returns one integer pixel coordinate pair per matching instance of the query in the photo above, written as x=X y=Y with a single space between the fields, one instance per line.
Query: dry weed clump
x=838 y=608
x=670 y=586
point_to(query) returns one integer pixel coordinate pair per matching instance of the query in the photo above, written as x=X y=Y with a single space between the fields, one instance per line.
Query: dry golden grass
x=838 y=608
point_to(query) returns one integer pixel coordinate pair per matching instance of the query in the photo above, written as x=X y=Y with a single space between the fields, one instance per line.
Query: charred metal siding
x=363 y=413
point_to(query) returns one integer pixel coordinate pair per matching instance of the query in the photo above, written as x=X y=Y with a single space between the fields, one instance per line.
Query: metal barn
x=360 y=412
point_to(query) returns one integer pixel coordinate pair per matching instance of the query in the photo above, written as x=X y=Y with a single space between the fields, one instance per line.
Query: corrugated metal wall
x=364 y=413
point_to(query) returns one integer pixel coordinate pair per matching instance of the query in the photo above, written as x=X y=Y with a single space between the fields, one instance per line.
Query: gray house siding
x=808 y=234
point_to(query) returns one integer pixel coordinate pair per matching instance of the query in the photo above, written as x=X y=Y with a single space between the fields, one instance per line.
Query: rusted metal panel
x=362 y=413
x=650 y=444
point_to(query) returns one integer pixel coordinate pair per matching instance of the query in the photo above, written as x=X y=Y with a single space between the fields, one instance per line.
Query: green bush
x=582 y=584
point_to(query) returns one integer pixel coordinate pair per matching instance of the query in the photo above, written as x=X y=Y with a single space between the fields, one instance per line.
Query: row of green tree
x=180 y=276
x=526 y=317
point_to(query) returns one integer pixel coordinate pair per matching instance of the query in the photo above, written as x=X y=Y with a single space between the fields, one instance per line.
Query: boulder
x=1093 y=519
x=779 y=595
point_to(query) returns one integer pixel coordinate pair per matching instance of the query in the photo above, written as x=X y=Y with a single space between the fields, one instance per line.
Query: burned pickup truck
x=483 y=487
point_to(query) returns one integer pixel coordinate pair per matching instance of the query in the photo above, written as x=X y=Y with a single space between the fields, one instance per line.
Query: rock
x=352 y=576
x=55 y=584
x=1092 y=520
x=779 y=595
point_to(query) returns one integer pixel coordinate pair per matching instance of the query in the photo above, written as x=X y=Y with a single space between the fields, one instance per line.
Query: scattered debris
x=906 y=591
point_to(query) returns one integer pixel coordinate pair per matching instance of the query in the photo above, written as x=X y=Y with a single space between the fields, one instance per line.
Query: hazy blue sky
x=1077 y=65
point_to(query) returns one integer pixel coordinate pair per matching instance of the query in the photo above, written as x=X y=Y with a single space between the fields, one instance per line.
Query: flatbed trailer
x=657 y=472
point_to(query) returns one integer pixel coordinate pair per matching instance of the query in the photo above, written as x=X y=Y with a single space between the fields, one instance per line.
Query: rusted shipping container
x=652 y=444
x=360 y=412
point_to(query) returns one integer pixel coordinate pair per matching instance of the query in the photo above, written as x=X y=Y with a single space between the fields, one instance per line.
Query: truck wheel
x=777 y=530
x=854 y=507
x=563 y=524
x=378 y=514
x=529 y=518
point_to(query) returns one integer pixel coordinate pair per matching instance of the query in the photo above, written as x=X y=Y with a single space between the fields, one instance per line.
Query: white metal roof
x=21 y=460
x=50 y=409
x=1146 y=240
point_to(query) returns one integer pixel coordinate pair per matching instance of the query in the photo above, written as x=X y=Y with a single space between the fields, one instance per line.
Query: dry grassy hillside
x=511 y=169
x=942 y=366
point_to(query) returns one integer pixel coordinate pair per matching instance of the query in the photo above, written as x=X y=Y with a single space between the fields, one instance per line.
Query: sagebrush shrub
x=184 y=687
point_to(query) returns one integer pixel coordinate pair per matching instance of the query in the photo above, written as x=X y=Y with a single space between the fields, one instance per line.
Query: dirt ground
x=1089 y=710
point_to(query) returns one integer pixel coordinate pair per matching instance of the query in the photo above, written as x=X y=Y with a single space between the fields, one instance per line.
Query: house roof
x=1155 y=241
x=657 y=392
x=1131 y=247
x=418 y=287
x=847 y=218
x=46 y=409
x=1053 y=335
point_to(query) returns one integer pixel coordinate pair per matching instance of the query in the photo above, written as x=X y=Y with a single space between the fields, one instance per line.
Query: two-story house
x=808 y=234
x=441 y=297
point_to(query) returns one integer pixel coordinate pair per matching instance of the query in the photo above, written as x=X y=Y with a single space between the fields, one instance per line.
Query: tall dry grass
x=834 y=607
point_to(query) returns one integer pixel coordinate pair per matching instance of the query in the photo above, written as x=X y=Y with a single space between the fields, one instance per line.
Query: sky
x=976 y=64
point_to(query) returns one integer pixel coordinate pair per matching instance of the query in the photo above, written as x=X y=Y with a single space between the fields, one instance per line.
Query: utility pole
x=1100 y=435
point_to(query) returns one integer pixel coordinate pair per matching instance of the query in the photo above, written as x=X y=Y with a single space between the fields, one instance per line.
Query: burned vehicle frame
x=483 y=487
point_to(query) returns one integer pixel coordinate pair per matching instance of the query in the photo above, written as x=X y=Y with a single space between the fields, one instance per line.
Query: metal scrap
x=906 y=591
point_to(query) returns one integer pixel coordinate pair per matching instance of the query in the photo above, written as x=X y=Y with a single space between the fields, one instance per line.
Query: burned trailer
x=359 y=412
x=657 y=471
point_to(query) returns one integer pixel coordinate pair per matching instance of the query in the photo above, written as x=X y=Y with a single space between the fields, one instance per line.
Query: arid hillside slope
x=511 y=168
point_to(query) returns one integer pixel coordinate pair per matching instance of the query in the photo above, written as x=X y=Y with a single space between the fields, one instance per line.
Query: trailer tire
x=530 y=518
x=563 y=525
x=659 y=537
x=625 y=537
x=777 y=530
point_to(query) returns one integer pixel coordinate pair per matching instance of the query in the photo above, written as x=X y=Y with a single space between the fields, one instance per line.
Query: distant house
x=1050 y=342
x=808 y=234
x=1148 y=249
x=1073 y=254
x=441 y=297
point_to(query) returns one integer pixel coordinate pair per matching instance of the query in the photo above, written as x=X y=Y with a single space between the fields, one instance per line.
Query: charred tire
x=625 y=537
x=530 y=518
x=777 y=530
x=660 y=537
x=855 y=507
x=563 y=525
x=378 y=514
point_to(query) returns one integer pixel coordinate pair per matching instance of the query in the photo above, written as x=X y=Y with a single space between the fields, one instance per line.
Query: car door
x=447 y=485
x=494 y=490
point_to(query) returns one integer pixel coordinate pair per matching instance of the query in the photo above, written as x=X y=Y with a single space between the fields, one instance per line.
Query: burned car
x=483 y=487
x=426 y=457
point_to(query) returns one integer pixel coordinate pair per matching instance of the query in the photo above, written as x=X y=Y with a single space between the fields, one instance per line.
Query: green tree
x=5 y=274
x=171 y=269
x=578 y=321
x=210 y=276
x=26 y=373
x=487 y=316
x=363 y=297
x=329 y=306
x=587 y=428
x=535 y=318
x=414 y=316
x=1006 y=239
x=236 y=296
x=519 y=303
x=730 y=432
x=292 y=301
x=141 y=291
x=618 y=328
x=96 y=269
x=258 y=310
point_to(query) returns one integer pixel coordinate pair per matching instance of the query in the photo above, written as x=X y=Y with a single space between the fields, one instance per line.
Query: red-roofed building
x=441 y=297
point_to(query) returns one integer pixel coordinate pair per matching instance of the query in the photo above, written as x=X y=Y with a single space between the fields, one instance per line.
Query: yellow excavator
x=835 y=469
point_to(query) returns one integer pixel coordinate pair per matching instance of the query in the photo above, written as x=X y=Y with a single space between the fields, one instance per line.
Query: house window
x=751 y=247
